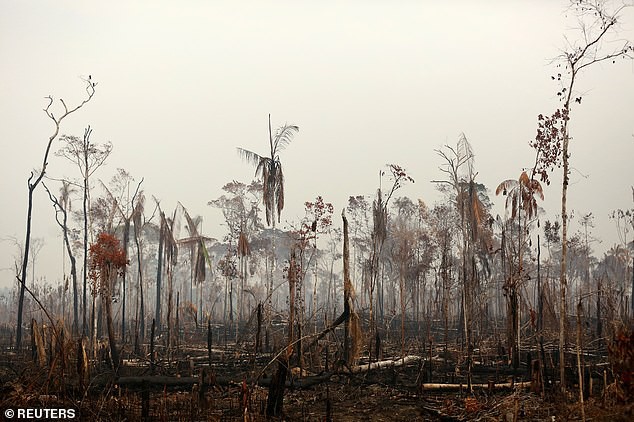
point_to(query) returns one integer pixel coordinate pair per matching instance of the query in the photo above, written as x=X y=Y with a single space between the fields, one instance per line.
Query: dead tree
x=352 y=327
x=275 y=400
x=61 y=206
x=127 y=212
x=88 y=157
x=32 y=183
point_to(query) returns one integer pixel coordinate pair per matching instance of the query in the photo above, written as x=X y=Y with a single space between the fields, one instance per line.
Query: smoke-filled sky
x=182 y=84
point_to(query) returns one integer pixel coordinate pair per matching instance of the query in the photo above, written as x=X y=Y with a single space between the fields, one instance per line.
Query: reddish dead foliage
x=621 y=353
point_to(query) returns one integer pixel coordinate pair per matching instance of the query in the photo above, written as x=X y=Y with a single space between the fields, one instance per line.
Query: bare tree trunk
x=347 y=288
x=126 y=241
x=169 y=308
x=579 y=366
x=141 y=317
x=107 y=302
x=275 y=399
x=22 y=275
x=564 y=254
x=32 y=183
x=401 y=286
x=73 y=262
x=85 y=246
x=159 y=274
x=599 y=322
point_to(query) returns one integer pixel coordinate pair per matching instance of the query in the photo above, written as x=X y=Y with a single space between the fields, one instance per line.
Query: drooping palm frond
x=200 y=263
x=264 y=165
x=473 y=210
x=251 y=158
x=506 y=186
x=192 y=223
x=137 y=212
x=243 y=245
x=477 y=211
x=170 y=248
x=514 y=201
x=202 y=257
x=279 y=190
x=268 y=191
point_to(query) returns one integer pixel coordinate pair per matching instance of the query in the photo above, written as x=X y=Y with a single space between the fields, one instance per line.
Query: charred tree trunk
x=275 y=400
x=59 y=208
x=107 y=302
x=347 y=287
x=142 y=301
x=599 y=323
x=512 y=327
x=209 y=342
x=579 y=364
x=85 y=263
x=258 y=334
x=32 y=183
x=126 y=241
x=152 y=346
x=159 y=273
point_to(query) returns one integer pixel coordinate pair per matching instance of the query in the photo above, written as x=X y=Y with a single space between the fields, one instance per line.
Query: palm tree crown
x=520 y=195
x=270 y=169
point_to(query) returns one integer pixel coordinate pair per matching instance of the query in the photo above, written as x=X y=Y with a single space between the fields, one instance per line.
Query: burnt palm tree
x=474 y=217
x=521 y=198
x=198 y=257
x=270 y=169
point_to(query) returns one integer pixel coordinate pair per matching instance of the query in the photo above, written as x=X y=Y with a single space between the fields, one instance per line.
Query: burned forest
x=495 y=299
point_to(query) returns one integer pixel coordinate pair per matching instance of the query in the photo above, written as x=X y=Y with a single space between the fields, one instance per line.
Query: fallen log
x=390 y=363
x=493 y=386
x=311 y=381
x=159 y=382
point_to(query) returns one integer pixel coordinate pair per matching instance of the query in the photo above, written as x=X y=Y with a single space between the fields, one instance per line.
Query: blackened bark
x=159 y=273
x=275 y=401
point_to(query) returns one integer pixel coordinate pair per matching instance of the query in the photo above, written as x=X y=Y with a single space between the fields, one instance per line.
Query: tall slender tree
x=62 y=206
x=166 y=260
x=459 y=167
x=120 y=197
x=598 y=22
x=380 y=212
x=138 y=221
x=199 y=255
x=88 y=157
x=33 y=181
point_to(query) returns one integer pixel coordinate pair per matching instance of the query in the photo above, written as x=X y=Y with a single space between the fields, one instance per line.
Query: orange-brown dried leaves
x=549 y=142
x=107 y=261
x=621 y=353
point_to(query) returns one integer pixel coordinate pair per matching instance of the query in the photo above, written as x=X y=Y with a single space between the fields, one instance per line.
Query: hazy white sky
x=182 y=84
